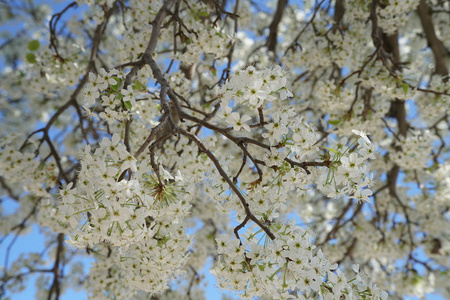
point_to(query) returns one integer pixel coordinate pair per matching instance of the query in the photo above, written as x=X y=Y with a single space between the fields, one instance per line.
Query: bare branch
x=272 y=39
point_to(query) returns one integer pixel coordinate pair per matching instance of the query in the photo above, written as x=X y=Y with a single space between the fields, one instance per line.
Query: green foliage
x=33 y=45
x=31 y=58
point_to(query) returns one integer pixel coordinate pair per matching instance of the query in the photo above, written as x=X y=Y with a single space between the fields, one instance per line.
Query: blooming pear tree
x=302 y=147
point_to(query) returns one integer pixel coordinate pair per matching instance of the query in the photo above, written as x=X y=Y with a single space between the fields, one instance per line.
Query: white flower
x=285 y=93
x=128 y=95
x=255 y=93
x=352 y=161
x=90 y=94
x=107 y=77
x=238 y=121
x=129 y=163
x=368 y=150
x=362 y=134
x=110 y=101
x=225 y=111
x=362 y=195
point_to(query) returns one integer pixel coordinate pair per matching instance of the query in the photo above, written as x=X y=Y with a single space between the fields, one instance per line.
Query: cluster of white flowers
x=395 y=14
x=443 y=183
x=433 y=108
x=116 y=102
x=330 y=50
x=250 y=89
x=255 y=88
x=209 y=41
x=142 y=13
x=287 y=268
x=337 y=98
x=311 y=57
x=415 y=150
x=357 y=10
x=147 y=265
x=51 y=76
x=22 y=168
x=140 y=216
x=152 y=262
x=132 y=46
x=349 y=173
x=94 y=3
x=106 y=279
x=114 y=210
x=387 y=86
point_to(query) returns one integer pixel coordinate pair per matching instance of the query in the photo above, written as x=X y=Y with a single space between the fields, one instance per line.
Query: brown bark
x=437 y=47
x=339 y=11
x=273 y=34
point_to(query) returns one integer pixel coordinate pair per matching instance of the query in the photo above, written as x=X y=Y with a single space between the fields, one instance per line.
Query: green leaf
x=33 y=45
x=115 y=87
x=213 y=71
x=196 y=18
x=337 y=91
x=416 y=279
x=332 y=150
x=41 y=166
x=128 y=104
x=31 y=58
x=405 y=87
x=239 y=93
x=334 y=122
x=138 y=86
x=203 y=13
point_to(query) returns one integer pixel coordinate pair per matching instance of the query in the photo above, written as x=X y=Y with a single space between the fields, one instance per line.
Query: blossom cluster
x=138 y=215
x=115 y=102
x=287 y=268
x=348 y=174
x=395 y=14
x=415 y=150
x=34 y=177
x=106 y=279
x=248 y=90
x=208 y=41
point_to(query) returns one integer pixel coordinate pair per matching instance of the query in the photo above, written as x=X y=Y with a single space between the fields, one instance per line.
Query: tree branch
x=273 y=27
x=437 y=47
